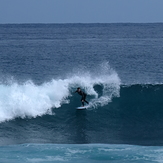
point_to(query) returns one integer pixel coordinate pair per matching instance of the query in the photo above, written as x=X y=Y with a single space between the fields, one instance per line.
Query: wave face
x=124 y=115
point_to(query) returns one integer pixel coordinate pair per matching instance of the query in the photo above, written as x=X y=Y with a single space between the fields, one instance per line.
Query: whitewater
x=31 y=100
x=119 y=66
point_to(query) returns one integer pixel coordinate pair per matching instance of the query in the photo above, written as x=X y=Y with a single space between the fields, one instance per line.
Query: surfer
x=83 y=99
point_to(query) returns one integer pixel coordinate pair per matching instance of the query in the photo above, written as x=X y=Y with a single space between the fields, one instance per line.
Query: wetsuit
x=83 y=99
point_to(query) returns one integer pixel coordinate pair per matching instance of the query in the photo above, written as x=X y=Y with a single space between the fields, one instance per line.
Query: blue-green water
x=80 y=153
x=119 y=66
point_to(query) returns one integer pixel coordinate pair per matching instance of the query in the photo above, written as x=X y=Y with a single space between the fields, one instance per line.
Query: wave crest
x=31 y=100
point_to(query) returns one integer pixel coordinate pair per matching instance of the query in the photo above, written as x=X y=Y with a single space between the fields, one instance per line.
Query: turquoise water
x=80 y=153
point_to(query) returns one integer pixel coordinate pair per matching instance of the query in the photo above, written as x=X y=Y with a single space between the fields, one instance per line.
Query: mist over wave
x=30 y=100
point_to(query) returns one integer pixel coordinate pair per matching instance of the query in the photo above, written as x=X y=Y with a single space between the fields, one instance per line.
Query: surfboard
x=81 y=107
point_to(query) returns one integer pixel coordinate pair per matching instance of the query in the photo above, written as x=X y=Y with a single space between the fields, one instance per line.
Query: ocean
x=118 y=66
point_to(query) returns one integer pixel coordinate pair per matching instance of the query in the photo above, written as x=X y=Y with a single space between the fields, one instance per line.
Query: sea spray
x=30 y=100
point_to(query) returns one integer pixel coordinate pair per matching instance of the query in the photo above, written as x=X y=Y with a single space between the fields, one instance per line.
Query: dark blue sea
x=119 y=67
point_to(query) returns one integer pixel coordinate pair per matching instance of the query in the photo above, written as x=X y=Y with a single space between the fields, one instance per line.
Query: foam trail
x=105 y=76
x=30 y=100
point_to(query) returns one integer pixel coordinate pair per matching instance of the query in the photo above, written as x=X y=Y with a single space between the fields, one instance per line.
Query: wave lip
x=31 y=100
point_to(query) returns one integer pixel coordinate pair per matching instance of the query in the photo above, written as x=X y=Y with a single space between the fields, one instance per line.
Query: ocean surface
x=119 y=67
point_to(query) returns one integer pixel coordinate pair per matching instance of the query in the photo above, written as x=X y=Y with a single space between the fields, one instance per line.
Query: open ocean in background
x=119 y=66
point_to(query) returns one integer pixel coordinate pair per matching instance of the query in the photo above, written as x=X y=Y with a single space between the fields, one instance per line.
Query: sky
x=81 y=11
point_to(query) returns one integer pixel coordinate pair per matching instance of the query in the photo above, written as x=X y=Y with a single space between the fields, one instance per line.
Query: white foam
x=31 y=100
